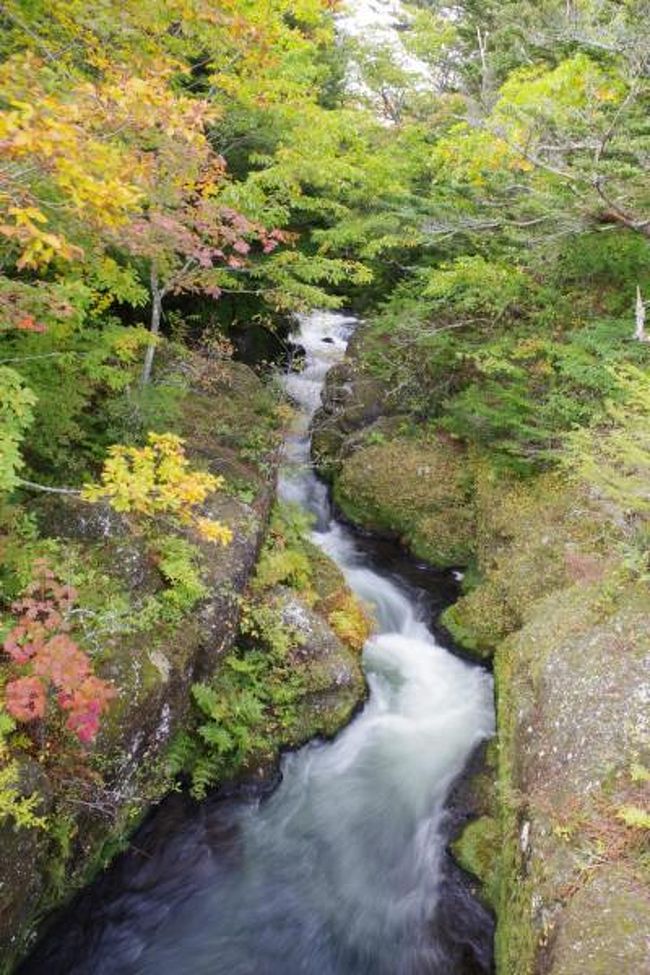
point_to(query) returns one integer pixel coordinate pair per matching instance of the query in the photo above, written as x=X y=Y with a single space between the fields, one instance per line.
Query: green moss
x=477 y=850
x=607 y=922
x=350 y=622
x=238 y=410
x=289 y=558
x=415 y=489
x=534 y=539
x=480 y=621
x=326 y=578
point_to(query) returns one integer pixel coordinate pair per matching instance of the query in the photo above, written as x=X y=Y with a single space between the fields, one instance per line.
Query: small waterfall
x=340 y=871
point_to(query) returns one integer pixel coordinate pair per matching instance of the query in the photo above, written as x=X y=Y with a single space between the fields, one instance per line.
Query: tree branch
x=618 y=214
x=33 y=486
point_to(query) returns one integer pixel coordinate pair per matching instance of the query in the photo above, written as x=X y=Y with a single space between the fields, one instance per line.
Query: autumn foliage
x=50 y=663
x=157 y=481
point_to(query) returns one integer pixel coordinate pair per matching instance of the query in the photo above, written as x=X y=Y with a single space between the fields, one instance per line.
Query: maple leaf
x=86 y=705
x=62 y=662
x=23 y=642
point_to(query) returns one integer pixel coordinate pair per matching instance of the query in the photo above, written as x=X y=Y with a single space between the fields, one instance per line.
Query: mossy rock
x=534 y=539
x=327 y=444
x=353 y=400
x=477 y=851
x=415 y=490
x=480 y=621
x=580 y=669
x=444 y=538
x=333 y=682
x=327 y=579
x=572 y=719
x=605 y=928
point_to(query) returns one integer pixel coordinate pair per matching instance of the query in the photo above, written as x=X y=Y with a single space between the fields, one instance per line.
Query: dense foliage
x=516 y=319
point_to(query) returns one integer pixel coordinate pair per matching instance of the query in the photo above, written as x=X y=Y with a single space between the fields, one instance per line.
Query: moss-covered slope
x=550 y=594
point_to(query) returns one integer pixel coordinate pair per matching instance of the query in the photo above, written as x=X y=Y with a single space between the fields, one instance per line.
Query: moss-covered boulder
x=477 y=851
x=417 y=490
x=573 y=731
x=533 y=538
x=332 y=679
x=353 y=399
x=605 y=926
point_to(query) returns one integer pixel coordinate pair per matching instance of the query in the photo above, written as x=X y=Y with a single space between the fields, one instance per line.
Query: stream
x=342 y=869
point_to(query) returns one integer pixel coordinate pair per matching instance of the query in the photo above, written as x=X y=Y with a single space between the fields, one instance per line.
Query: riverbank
x=315 y=874
x=156 y=654
x=552 y=597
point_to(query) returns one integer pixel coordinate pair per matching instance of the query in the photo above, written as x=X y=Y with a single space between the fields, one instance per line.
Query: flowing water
x=342 y=869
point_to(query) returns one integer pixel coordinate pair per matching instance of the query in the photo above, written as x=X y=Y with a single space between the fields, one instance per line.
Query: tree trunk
x=156 y=318
x=640 y=332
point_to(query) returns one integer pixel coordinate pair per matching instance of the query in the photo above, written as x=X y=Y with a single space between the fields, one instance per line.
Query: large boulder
x=413 y=489
x=331 y=672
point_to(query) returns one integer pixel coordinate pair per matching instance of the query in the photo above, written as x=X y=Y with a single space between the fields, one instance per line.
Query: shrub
x=49 y=662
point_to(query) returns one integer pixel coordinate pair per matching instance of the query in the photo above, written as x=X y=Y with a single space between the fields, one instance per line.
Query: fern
x=217 y=737
x=181 y=753
x=206 y=698
x=204 y=774
x=634 y=817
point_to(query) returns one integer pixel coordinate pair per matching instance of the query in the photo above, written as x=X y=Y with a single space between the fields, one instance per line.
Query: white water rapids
x=339 y=871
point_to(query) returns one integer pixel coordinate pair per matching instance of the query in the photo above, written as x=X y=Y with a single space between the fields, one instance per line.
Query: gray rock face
x=605 y=927
x=575 y=683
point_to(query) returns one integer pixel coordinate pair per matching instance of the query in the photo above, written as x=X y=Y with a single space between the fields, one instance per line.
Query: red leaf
x=86 y=704
x=62 y=662
x=23 y=642
x=29 y=324
x=25 y=698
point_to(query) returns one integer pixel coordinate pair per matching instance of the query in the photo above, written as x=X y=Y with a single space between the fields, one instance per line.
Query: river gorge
x=342 y=869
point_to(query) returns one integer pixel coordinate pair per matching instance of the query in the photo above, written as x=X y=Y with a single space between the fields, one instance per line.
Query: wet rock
x=331 y=672
x=351 y=402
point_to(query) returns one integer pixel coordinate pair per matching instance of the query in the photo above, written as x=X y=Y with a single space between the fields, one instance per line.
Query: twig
x=32 y=485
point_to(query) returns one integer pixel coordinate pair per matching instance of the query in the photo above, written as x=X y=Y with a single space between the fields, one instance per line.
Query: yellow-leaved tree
x=157 y=481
